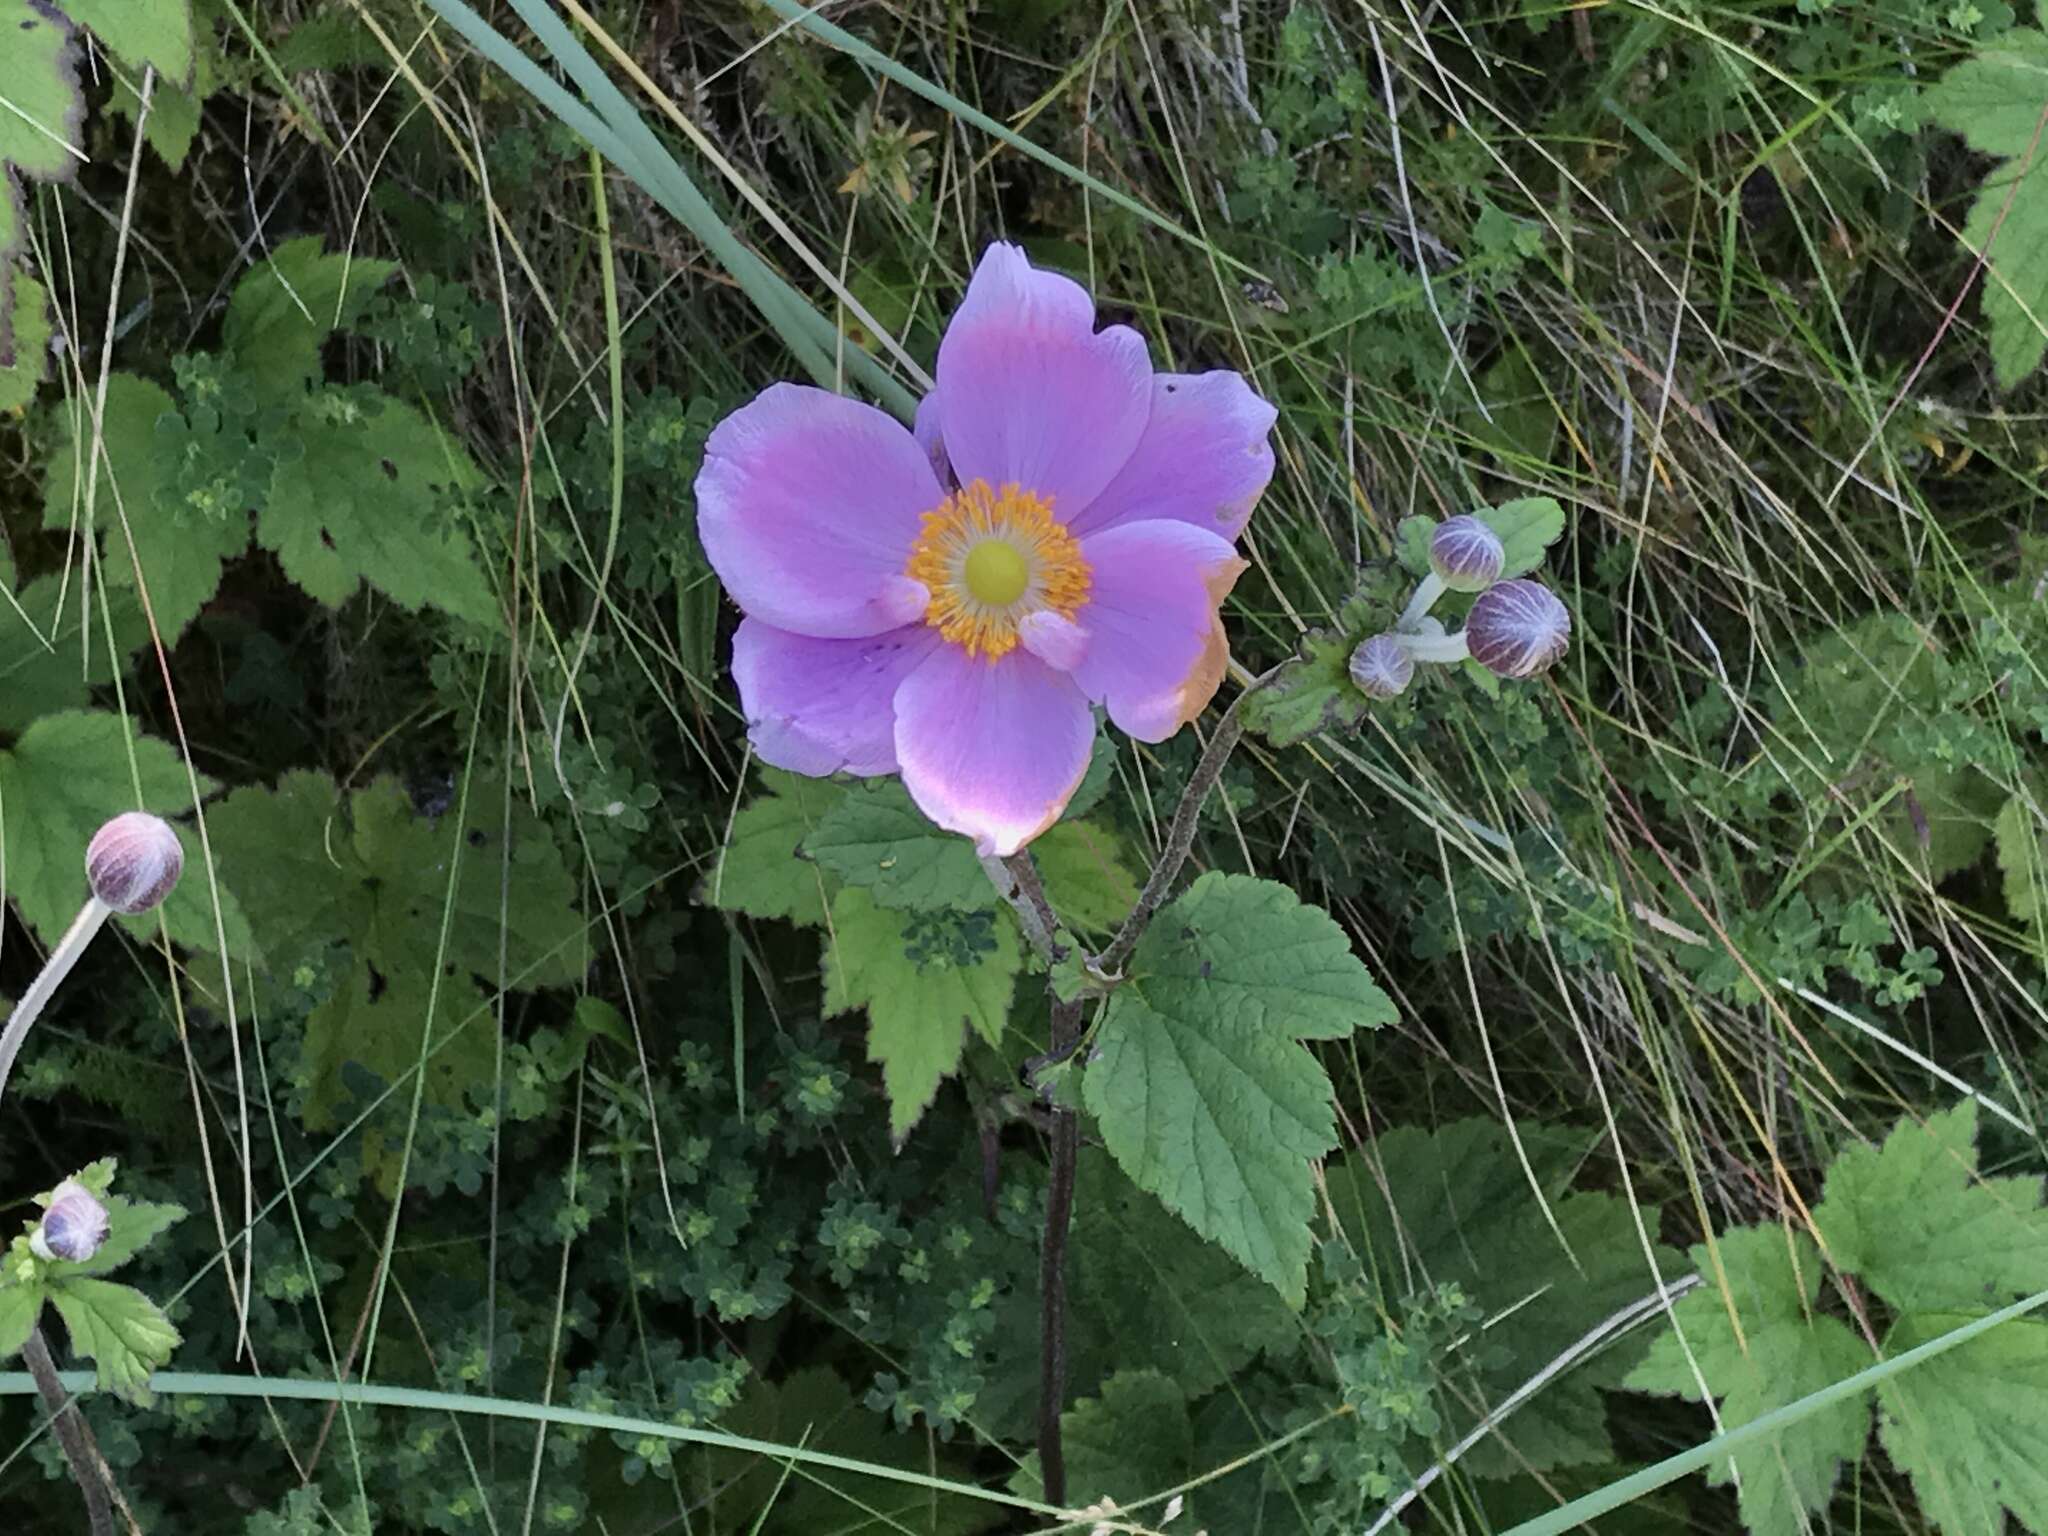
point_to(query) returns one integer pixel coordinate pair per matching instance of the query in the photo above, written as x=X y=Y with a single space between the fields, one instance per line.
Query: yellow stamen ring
x=992 y=558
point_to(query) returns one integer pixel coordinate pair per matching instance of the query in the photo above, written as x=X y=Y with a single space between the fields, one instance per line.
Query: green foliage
x=26 y=331
x=59 y=780
x=1916 y=1225
x=1455 y=1205
x=760 y=870
x=924 y=978
x=116 y=1326
x=347 y=485
x=877 y=840
x=1994 y=101
x=1199 y=1085
x=436 y=915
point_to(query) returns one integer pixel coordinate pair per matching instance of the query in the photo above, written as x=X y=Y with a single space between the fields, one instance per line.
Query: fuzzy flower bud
x=1466 y=554
x=1382 y=667
x=1517 y=629
x=133 y=861
x=73 y=1227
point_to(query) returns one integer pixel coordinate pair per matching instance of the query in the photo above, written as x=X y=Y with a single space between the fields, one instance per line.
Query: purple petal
x=807 y=506
x=1205 y=457
x=1029 y=391
x=994 y=749
x=1156 y=649
x=822 y=706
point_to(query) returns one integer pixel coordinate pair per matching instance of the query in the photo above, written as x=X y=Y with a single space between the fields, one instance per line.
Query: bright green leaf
x=39 y=128
x=1086 y=870
x=1914 y=1222
x=1221 y=1126
x=63 y=777
x=287 y=305
x=24 y=341
x=365 y=502
x=1411 y=544
x=1785 y=1350
x=1202 y=1093
x=2021 y=846
x=181 y=549
x=1966 y=1426
x=46 y=663
x=762 y=870
x=924 y=978
x=119 y=1329
x=1995 y=100
x=876 y=838
x=1527 y=527
x=21 y=1303
x=153 y=33
x=1249 y=955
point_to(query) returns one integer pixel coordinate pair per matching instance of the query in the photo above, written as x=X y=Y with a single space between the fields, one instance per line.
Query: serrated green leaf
x=1221 y=1126
x=1411 y=544
x=762 y=871
x=65 y=775
x=1914 y=1222
x=1131 y=1440
x=1966 y=1426
x=376 y=875
x=1086 y=870
x=1202 y=1092
x=364 y=503
x=1147 y=1291
x=1994 y=98
x=45 y=663
x=1315 y=692
x=1455 y=1205
x=289 y=303
x=1527 y=527
x=877 y=839
x=924 y=978
x=1995 y=101
x=1785 y=1350
x=2018 y=841
x=120 y=1330
x=21 y=1303
x=155 y=33
x=181 y=549
x=1246 y=954
x=24 y=341
x=39 y=130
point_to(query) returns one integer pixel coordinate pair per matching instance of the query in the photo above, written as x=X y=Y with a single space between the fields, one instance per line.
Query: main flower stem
x=74 y=1436
x=1023 y=891
x=55 y=969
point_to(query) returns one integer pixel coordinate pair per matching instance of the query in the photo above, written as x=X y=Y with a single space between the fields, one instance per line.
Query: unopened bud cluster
x=1515 y=629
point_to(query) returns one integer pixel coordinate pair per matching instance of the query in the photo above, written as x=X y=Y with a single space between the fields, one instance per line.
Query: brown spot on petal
x=1206 y=675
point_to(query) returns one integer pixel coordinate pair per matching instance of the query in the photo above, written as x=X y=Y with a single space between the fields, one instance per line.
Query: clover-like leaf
x=1527 y=527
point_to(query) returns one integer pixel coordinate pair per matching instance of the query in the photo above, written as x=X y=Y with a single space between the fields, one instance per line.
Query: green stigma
x=995 y=573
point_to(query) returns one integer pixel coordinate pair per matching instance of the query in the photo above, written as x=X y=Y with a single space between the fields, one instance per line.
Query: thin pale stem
x=1443 y=649
x=1427 y=591
x=55 y=969
x=74 y=1436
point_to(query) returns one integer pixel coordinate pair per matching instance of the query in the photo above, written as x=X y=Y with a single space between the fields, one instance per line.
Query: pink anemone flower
x=949 y=605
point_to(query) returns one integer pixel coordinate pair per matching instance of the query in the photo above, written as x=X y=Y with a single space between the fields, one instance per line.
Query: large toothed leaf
x=1200 y=1085
x=762 y=870
x=1760 y=1346
x=120 y=1330
x=1966 y=1426
x=290 y=302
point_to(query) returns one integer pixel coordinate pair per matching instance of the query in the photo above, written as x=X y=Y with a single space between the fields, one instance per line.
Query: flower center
x=991 y=559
